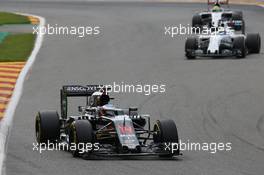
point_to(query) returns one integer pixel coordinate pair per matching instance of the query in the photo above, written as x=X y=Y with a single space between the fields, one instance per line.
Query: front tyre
x=47 y=126
x=239 y=46
x=166 y=132
x=81 y=134
x=190 y=46
x=253 y=42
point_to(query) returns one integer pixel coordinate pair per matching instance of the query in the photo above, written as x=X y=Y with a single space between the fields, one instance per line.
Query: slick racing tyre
x=81 y=134
x=166 y=132
x=253 y=43
x=237 y=15
x=197 y=22
x=243 y=27
x=47 y=126
x=240 y=46
x=190 y=47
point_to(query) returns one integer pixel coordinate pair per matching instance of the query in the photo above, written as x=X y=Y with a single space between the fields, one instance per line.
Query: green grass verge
x=16 y=47
x=11 y=18
x=3 y=35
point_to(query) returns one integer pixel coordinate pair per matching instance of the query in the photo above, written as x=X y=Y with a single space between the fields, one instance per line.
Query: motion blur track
x=211 y=100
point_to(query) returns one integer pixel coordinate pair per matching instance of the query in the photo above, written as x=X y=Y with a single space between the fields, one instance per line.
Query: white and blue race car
x=217 y=15
x=223 y=42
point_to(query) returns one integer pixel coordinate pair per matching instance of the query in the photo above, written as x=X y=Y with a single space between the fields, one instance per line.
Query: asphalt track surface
x=211 y=100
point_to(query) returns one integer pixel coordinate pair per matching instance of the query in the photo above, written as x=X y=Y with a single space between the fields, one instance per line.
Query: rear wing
x=220 y=2
x=210 y=2
x=76 y=91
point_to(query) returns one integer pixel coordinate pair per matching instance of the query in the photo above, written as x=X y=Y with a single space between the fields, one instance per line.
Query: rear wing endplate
x=76 y=91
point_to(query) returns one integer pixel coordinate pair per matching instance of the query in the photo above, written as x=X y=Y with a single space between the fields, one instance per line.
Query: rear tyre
x=166 y=132
x=240 y=47
x=197 y=22
x=47 y=126
x=81 y=134
x=237 y=15
x=253 y=43
x=243 y=27
x=190 y=47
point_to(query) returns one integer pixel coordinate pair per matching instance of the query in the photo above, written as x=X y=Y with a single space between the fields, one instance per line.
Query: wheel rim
x=38 y=129
x=73 y=134
x=156 y=136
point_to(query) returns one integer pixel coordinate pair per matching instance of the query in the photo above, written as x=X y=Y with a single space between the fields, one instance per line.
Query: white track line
x=6 y=122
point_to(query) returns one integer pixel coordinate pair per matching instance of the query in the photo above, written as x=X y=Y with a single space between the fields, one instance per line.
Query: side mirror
x=132 y=111
x=81 y=108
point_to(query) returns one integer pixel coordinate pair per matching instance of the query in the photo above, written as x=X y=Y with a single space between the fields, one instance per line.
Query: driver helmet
x=221 y=30
x=96 y=98
x=216 y=8
x=104 y=98
x=102 y=112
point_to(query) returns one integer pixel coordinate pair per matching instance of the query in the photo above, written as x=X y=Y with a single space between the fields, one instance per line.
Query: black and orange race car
x=105 y=130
